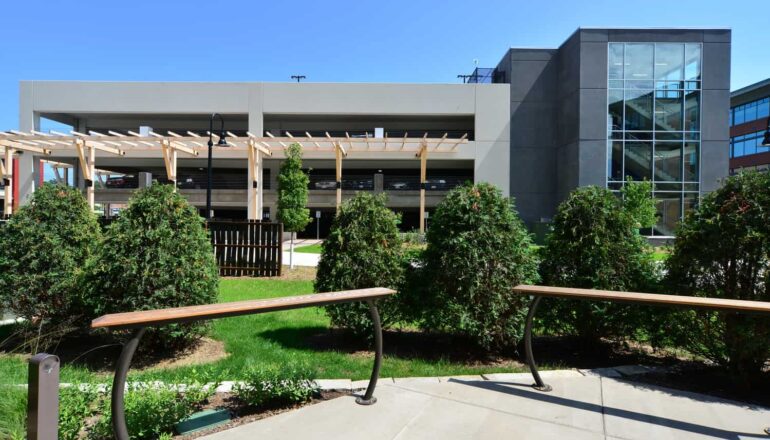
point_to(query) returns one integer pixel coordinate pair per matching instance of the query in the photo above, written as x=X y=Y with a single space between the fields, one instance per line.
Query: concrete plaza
x=504 y=406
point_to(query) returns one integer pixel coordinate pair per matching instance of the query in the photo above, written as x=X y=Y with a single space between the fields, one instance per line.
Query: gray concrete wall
x=559 y=112
x=246 y=106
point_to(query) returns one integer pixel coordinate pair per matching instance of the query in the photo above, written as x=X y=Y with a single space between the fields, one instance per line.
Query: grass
x=310 y=249
x=273 y=339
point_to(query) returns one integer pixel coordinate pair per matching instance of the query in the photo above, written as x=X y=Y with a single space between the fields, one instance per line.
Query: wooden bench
x=692 y=302
x=139 y=321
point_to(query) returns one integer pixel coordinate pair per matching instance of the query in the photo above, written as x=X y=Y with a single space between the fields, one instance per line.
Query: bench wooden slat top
x=647 y=298
x=222 y=310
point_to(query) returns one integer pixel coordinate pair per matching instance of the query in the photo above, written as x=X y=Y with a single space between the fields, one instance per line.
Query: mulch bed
x=242 y=414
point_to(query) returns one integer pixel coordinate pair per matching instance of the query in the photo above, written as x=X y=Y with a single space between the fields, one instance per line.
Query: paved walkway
x=579 y=407
x=301 y=258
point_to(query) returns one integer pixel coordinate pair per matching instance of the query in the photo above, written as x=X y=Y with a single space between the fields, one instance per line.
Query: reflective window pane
x=615 y=62
x=669 y=61
x=638 y=61
x=668 y=161
x=616 y=161
x=691 y=161
x=615 y=109
x=638 y=160
x=763 y=109
x=692 y=62
x=668 y=110
x=692 y=111
x=690 y=202
x=669 y=212
x=638 y=108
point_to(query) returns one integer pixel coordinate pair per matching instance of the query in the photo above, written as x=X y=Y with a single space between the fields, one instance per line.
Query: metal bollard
x=43 y=397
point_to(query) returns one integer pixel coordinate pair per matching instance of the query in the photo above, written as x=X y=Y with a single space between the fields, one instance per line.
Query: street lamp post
x=222 y=143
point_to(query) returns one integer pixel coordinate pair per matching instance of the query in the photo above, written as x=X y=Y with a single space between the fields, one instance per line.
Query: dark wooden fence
x=247 y=247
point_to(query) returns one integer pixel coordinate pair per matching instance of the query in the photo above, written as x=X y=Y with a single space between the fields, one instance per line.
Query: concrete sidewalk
x=579 y=407
x=301 y=258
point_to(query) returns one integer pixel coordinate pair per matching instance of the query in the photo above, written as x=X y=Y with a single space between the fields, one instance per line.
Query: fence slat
x=246 y=247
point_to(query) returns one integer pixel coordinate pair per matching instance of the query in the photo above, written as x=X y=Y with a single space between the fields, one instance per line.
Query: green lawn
x=312 y=249
x=274 y=338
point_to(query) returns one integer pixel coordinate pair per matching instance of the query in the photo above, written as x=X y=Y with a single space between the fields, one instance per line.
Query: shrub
x=273 y=387
x=43 y=248
x=363 y=250
x=722 y=250
x=151 y=410
x=478 y=250
x=594 y=244
x=155 y=255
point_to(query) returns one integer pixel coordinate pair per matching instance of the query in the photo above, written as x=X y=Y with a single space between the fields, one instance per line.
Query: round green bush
x=155 y=255
x=363 y=249
x=594 y=244
x=478 y=250
x=722 y=250
x=43 y=248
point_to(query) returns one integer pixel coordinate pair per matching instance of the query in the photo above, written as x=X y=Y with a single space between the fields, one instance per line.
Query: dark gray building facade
x=610 y=104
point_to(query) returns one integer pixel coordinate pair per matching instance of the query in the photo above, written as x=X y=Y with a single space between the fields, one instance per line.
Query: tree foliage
x=478 y=250
x=639 y=203
x=43 y=249
x=363 y=249
x=155 y=255
x=293 y=191
x=594 y=244
x=722 y=250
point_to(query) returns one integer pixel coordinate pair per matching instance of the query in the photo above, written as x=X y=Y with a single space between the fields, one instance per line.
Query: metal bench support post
x=119 y=385
x=539 y=384
x=43 y=397
x=368 y=397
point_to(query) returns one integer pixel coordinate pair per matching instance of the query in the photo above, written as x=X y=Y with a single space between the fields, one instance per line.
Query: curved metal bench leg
x=368 y=397
x=539 y=384
x=119 y=386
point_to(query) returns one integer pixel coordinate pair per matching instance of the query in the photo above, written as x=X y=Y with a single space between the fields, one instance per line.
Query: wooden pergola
x=253 y=148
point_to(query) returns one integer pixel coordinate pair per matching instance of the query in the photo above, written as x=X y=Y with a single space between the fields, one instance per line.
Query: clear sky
x=328 y=41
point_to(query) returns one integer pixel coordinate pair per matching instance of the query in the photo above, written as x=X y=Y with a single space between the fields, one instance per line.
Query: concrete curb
x=357 y=385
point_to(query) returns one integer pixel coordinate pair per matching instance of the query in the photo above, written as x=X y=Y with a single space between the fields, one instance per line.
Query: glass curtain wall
x=653 y=123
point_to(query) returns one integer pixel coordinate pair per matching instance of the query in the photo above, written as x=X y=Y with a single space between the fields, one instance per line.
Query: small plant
x=595 y=244
x=274 y=387
x=43 y=248
x=151 y=410
x=722 y=250
x=478 y=250
x=363 y=249
x=155 y=255
x=292 y=195
x=77 y=404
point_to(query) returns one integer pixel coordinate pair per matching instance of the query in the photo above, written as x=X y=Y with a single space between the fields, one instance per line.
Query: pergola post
x=423 y=155
x=7 y=172
x=339 y=152
x=87 y=168
x=169 y=159
x=255 y=187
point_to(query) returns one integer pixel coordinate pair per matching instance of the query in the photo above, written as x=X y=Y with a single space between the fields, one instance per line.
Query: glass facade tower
x=653 y=123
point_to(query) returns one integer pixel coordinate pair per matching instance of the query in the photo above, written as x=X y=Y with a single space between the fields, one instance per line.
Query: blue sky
x=345 y=41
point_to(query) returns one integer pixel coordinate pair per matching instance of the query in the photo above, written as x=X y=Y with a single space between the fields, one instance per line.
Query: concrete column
x=379 y=182
x=145 y=179
x=28 y=120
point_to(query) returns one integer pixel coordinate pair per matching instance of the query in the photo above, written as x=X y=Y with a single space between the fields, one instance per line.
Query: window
x=750 y=111
x=653 y=123
x=748 y=144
